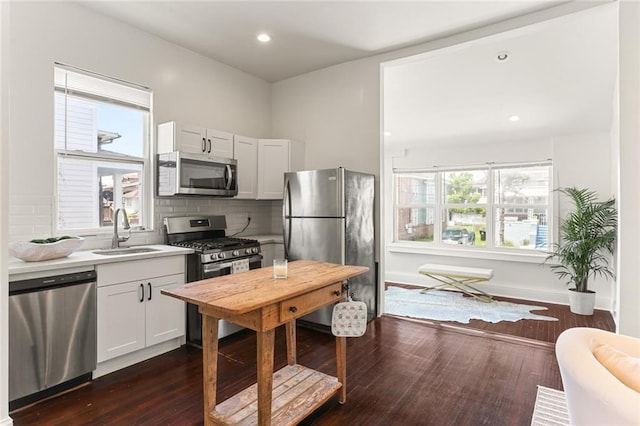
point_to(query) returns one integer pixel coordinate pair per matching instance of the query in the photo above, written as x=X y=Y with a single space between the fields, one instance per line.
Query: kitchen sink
x=125 y=250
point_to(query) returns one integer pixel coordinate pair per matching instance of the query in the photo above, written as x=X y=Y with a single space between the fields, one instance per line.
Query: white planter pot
x=582 y=303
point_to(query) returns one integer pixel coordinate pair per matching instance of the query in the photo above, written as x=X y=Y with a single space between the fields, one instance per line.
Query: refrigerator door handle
x=286 y=216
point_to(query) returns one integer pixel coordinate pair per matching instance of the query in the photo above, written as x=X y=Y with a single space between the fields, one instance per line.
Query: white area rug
x=550 y=408
x=453 y=306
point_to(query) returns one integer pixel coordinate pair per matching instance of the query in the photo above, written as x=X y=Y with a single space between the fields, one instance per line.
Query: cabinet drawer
x=302 y=305
x=133 y=270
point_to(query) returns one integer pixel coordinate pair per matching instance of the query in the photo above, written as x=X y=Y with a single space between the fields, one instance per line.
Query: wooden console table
x=256 y=300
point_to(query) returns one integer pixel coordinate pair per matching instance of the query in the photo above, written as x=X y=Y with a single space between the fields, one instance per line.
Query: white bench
x=458 y=277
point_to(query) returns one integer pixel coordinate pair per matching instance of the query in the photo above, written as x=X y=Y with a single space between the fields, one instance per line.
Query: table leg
x=209 y=364
x=265 y=375
x=290 y=328
x=341 y=364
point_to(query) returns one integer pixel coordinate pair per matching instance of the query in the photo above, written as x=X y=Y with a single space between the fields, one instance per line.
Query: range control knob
x=248 y=251
x=235 y=253
x=221 y=256
x=254 y=250
x=214 y=256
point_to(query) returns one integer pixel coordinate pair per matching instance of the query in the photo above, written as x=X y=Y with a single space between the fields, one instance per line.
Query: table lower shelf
x=297 y=392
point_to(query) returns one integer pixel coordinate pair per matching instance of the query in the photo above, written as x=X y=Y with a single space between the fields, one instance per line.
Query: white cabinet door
x=190 y=138
x=245 y=150
x=278 y=250
x=165 y=315
x=173 y=136
x=121 y=319
x=266 y=250
x=219 y=144
x=273 y=162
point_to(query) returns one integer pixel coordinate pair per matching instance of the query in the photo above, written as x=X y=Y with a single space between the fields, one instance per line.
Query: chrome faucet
x=116 y=240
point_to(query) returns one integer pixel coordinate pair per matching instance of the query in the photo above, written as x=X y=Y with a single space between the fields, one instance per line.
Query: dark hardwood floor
x=400 y=372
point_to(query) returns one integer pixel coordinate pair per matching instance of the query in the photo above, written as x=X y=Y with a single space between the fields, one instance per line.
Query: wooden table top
x=247 y=291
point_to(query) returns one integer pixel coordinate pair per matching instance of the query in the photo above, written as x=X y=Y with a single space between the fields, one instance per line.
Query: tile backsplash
x=32 y=217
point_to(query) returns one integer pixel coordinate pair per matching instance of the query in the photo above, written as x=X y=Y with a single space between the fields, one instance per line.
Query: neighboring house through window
x=101 y=145
x=494 y=206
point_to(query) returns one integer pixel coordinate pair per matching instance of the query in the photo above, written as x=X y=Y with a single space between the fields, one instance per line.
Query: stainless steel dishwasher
x=52 y=335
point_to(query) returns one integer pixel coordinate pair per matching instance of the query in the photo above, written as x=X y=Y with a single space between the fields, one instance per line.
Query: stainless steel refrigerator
x=329 y=216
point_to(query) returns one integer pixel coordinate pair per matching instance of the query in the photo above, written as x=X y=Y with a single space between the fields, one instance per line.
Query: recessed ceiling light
x=264 y=37
x=503 y=56
x=514 y=118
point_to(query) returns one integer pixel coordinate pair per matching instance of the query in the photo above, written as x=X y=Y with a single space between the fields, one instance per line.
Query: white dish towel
x=239 y=266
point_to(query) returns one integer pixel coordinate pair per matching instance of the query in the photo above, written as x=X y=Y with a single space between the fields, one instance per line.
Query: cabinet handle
x=293 y=309
x=337 y=292
x=209 y=149
x=204 y=145
x=141 y=293
x=149 y=284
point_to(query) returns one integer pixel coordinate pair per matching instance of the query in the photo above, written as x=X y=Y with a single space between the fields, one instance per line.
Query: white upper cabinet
x=275 y=158
x=245 y=150
x=174 y=136
x=219 y=144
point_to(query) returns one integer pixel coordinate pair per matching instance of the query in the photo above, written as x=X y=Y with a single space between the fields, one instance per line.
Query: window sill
x=467 y=252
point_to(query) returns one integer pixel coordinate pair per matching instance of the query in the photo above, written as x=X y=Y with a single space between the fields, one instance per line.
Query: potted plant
x=587 y=241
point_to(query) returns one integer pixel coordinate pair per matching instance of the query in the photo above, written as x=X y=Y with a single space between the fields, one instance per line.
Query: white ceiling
x=306 y=35
x=559 y=79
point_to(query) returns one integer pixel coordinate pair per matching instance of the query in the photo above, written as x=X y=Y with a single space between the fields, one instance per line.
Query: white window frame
x=124 y=94
x=490 y=250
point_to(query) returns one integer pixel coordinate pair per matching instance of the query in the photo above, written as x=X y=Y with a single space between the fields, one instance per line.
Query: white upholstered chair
x=594 y=395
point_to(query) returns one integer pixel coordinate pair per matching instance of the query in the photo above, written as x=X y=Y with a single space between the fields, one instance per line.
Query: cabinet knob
x=293 y=309
x=337 y=292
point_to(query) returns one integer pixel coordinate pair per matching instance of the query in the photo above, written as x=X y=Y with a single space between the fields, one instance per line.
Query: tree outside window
x=515 y=196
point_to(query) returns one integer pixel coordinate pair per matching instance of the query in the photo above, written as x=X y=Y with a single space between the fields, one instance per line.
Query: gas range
x=206 y=236
x=225 y=248
x=215 y=255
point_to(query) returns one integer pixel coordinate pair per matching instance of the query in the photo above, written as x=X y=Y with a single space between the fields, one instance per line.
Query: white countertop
x=266 y=238
x=87 y=259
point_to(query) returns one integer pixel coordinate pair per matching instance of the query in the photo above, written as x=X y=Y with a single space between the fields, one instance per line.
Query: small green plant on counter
x=51 y=240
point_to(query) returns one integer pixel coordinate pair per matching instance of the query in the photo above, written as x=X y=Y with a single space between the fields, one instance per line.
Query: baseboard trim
x=127 y=360
x=7 y=421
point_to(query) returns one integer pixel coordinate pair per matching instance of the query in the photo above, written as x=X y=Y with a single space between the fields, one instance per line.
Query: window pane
x=465 y=226
x=465 y=187
x=414 y=224
x=525 y=185
x=90 y=190
x=522 y=228
x=99 y=127
x=417 y=188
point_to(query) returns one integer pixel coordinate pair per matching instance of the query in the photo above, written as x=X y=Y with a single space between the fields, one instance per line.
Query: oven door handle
x=210 y=267
x=217 y=266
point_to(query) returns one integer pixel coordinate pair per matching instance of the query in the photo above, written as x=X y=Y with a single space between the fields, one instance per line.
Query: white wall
x=629 y=170
x=321 y=108
x=4 y=215
x=579 y=160
x=331 y=111
x=186 y=87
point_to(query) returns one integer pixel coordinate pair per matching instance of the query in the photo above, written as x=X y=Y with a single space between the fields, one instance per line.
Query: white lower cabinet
x=271 y=251
x=134 y=315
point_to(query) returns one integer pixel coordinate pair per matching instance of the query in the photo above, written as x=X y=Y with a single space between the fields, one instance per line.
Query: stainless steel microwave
x=181 y=173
